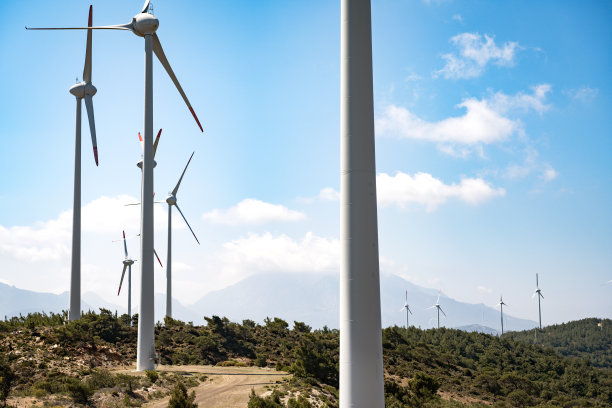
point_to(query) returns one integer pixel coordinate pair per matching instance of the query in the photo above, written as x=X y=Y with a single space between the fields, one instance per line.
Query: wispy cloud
x=483 y=289
x=251 y=211
x=424 y=189
x=50 y=240
x=473 y=54
x=584 y=94
x=531 y=164
x=485 y=121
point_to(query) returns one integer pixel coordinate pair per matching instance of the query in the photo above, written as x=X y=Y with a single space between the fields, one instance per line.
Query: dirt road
x=230 y=386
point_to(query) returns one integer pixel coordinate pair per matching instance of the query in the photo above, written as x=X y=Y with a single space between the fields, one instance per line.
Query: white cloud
x=257 y=253
x=549 y=174
x=531 y=164
x=329 y=194
x=458 y=18
x=483 y=289
x=252 y=211
x=485 y=121
x=422 y=188
x=51 y=240
x=474 y=53
x=583 y=94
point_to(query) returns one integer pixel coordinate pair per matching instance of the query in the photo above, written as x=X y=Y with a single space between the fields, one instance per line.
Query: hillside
x=436 y=368
x=581 y=338
x=312 y=298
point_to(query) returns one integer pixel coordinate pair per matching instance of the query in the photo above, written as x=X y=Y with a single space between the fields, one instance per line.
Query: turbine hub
x=171 y=199
x=139 y=164
x=145 y=23
x=82 y=88
x=128 y=262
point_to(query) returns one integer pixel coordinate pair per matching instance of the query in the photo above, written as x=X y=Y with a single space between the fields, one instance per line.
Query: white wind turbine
x=171 y=200
x=144 y=25
x=437 y=306
x=501 y=305
x=408 y=311
x=129 y=262
x=82 y=90
x=538 y=292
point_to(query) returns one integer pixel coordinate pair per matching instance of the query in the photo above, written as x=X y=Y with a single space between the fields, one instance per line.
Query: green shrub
x=6 y=380
x=180 y=399
x=80 y=392
x=152 y=375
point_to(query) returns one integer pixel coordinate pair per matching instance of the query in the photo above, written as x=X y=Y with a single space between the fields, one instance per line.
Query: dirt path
x=228 y=387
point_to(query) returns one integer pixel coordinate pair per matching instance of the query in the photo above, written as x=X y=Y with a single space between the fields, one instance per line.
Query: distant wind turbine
x=437 y=306
x=408 y=311
x=171 y=200
x=538 y=293
x=127 y=264
x=501 y=308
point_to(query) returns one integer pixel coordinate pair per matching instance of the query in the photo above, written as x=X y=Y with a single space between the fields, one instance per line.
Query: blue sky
x=493 y=145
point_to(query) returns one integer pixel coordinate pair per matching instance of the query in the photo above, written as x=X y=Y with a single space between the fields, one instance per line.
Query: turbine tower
x=144 y=24
x=361 y=368
x=437 y=306
x=171 y=200
x=127 y=264
x=501 y=309
x=538 y=292
x=83 y=90
x=407 y=310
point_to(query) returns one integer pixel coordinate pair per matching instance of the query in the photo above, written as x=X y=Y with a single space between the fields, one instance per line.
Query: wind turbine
x=82 y=90
x=144 y=24
x=501 y=308
x=437 y=306
x=538 y=292
x=171 y=200
x=407 y=310
x=127 y=264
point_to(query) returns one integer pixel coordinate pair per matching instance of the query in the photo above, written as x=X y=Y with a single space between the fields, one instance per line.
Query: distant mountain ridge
x=309 y=298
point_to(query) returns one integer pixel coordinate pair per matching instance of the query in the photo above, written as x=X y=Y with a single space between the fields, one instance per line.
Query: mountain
x=311 y=298
x=314 y=299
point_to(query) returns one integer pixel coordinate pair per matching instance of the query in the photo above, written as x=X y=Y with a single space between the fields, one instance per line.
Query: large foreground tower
x=361 y=367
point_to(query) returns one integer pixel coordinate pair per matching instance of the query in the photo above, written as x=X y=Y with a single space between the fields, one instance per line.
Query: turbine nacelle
x=144 y=23
x=128 y=262
x=139 y=164
x=83 y=88
x=171 y=199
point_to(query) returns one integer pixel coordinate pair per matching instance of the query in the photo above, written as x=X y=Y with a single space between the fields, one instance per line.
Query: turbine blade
x=409 y=311
x=442 y=312
x=141 y=142
x=128 y=27
x=402 y=308
x=155 y=143
x=427 y=308
x=181 y=179
x=406 y=296
x=145 y=8
x=87 y=67
x=537 y=284
x=127 y=205
x=194 y=235
x=122 y=275
x=541 y=295
x=158 y=260
x=159 y=51
x=92 y=125
x=534 y=295
x=125 y=245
